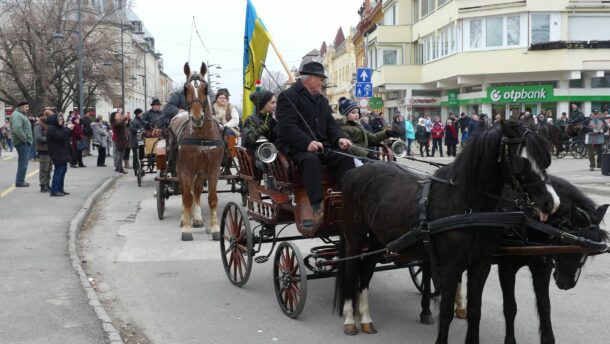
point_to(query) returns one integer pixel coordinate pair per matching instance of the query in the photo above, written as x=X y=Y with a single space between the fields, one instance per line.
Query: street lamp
x=60 y=36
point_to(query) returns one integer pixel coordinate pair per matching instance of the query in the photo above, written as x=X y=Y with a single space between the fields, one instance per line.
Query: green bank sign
x=520 y=94
x=376 y=103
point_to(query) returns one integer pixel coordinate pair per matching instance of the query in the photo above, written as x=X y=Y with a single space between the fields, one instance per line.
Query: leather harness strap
x=200 y=142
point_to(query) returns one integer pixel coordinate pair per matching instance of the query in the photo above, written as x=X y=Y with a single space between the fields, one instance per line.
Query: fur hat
x=261 y=98
x=346 y=106
x=21 y=103
x=222 y=91
x=155 y=102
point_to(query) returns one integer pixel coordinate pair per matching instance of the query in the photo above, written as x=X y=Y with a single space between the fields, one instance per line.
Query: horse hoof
x=460 y=313
x=368 y=328
x=350 y=329
x=187 y=237
x=197 y=224
x=216 y=236
x=426 y=319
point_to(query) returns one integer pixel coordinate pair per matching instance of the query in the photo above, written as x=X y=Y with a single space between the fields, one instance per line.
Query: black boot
x=44 y=188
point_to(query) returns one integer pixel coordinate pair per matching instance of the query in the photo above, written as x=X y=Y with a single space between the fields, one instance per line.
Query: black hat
x=313 y=68
x=23 y=102
x=155 y=102
x=261 y=98
x=346 y=106
x=137 y=111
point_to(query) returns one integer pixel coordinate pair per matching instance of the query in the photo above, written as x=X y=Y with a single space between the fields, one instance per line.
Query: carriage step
x=262 y=259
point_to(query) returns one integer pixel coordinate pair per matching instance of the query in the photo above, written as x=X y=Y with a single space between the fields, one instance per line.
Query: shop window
x=576 y=83
x=541 y=28
x=601 y=106
x=603 y=82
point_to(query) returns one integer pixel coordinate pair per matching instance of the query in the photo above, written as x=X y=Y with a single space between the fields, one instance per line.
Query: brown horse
x=200 y=153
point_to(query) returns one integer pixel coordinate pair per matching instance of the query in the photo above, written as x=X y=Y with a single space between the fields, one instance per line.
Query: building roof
x=339 y=37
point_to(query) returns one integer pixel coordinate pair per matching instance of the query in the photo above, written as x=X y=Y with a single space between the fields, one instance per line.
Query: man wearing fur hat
x=359 y=136
x=307 y=133
x=21 y=131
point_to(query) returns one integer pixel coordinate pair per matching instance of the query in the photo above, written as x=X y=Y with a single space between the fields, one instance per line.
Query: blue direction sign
x=364 y=89
x=363 y=75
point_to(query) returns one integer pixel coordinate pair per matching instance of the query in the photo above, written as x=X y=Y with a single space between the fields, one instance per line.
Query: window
x=576 y=83
x=541 y=28
x=390 y=56
x=493 y=28
x=603 y=82
x=580 y=25
x=442 y=2
x=427 y=7
x=389 y=17
x=476 y=33
x=415 y=11
x=513 y=30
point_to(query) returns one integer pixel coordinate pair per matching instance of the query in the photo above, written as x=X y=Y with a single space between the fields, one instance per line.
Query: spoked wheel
x=160 y=194
x=236 y=244
x=416 y=273
x=290 y=279
x=578 y=149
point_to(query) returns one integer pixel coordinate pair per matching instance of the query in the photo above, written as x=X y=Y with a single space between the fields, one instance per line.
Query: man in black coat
x=307 y=132
x=152 y=116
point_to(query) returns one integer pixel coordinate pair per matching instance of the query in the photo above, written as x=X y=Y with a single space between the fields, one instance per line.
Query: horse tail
x=339 y=298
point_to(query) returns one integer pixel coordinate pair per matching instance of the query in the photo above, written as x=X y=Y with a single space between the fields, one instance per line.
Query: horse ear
x=600 y=212
x=203 y=69
x=187 y=70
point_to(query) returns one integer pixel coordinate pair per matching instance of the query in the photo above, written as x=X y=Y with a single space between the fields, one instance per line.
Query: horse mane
x=571 y=195
x=537 y=147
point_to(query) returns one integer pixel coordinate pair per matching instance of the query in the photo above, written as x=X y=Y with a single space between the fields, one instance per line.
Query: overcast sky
x=297 y=26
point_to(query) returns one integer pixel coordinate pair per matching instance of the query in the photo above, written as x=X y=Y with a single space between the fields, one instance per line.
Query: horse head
x=582 y=220
x=525 y=156
x=196 y=93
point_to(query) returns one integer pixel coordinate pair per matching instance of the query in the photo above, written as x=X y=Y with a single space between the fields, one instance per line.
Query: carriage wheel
x=290 y=279
x=578 y=149
x=236 y=244
x=160 y=198
x=416 y=273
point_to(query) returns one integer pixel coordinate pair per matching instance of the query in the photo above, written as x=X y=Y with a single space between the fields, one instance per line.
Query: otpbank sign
x=520 y=94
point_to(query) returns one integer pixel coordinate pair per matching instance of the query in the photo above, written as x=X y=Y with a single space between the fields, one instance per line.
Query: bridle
x=196 y=81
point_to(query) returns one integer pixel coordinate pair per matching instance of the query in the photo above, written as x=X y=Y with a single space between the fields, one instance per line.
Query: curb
x=600 y=190
x=112 y=335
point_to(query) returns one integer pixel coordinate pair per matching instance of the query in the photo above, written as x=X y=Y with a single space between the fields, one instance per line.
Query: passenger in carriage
x=261 y=124
x=307 y=132
x=360 y=137
x=226 y=113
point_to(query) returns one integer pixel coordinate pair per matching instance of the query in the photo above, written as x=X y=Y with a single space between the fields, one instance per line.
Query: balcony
x=397 y=74
x=390 y=34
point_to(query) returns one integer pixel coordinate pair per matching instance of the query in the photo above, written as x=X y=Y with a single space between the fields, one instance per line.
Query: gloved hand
x=263 y=129
x=392 y=133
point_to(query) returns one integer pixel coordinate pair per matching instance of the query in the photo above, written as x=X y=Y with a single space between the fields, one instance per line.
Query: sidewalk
x=41 y=296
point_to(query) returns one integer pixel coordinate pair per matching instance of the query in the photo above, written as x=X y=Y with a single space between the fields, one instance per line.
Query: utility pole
x=81 y=110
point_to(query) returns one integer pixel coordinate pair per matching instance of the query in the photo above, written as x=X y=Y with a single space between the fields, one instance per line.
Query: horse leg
x=541 y=277
x=213 y=203
x=367 y=269
x=477 y=276
x=425 y=317
x=507 y=272
x=187 y=204
x=450 y=277
x=196 y=210
x=460 y=310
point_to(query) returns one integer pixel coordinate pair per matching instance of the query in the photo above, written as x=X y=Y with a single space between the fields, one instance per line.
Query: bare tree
x=43 y=71
x=274 y=81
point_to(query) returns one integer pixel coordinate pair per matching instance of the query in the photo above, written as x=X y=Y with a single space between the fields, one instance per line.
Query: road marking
x=12 y=187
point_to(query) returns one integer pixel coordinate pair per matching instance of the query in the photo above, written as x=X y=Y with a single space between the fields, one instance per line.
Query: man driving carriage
x=307 y=132
x=152 y=118
x=575 y=122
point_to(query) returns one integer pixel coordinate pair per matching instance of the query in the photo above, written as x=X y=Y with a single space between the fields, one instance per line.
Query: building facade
x=339 y=61
x=495 y=57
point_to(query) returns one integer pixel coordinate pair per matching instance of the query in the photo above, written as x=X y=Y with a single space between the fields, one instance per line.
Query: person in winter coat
x=77 y=135
x=307 y=127
x=21 y=133
x=121 y=142
x=225 y=113
x=262 y=123
x=437 y=133
x=451 y=137
x=410 y=133
x=58 y=142
x=40 y=139
x=137 y=126
x=421 y=136
x=100 y=140
x=398 y=125
x=364 y=121
x=360 y=137
x=152 y=116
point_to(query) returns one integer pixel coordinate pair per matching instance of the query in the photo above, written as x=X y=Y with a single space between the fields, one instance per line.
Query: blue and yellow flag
x=256 y=42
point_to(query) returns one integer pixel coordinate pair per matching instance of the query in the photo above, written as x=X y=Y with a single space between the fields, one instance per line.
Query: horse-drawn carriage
x=394 y=217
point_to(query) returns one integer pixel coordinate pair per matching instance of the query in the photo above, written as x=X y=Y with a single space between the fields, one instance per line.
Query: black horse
x=380 y=203
x=554 y=134
x=576 y=213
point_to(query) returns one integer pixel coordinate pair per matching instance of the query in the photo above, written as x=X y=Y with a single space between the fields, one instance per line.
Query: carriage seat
x=287 y=174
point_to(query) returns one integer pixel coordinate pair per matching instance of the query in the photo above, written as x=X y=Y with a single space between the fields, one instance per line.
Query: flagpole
x=279 y=55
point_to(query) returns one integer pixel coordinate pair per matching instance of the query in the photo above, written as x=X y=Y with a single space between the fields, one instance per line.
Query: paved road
x=161 y=290
x=41 y=297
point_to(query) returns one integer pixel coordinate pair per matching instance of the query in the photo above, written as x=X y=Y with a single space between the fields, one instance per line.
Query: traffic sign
x=376 y=103
x=363 y=102
x=363 y=75
x=364 y=89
